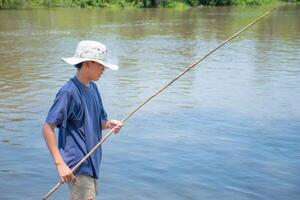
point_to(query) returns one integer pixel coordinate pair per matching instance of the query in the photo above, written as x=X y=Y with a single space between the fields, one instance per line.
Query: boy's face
x=95 y=70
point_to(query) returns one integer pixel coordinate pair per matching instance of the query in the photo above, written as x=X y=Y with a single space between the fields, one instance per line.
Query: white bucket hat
x=88 y=50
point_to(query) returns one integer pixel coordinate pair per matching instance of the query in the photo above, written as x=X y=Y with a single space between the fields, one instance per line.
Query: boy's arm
x=64 y=171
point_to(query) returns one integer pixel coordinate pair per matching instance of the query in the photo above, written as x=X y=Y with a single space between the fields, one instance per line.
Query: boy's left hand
x=116 y=125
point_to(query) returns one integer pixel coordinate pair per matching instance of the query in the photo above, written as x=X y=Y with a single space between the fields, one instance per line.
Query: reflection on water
x=226 y=130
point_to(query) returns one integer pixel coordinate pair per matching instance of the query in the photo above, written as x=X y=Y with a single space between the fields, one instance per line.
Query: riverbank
x=132 y=3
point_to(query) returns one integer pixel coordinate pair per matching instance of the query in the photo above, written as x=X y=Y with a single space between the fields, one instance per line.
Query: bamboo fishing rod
x=56 y=186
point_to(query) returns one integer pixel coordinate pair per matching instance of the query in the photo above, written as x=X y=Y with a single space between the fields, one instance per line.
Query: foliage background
x=131 y=3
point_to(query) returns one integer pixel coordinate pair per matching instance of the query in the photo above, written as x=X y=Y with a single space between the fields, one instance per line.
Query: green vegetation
x=131 y=3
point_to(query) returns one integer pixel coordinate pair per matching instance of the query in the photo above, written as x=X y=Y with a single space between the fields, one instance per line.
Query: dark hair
x=78 y=66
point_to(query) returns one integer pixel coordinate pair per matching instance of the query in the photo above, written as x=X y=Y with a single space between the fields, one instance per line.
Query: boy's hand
x=65 y=173
x=116 y=125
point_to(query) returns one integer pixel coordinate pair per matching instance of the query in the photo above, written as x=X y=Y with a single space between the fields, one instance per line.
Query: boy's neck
x=83 y=79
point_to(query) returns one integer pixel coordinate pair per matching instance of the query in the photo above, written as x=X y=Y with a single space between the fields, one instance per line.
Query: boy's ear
x=87 y=63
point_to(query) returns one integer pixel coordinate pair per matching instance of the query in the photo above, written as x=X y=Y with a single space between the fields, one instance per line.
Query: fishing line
x=56 y=186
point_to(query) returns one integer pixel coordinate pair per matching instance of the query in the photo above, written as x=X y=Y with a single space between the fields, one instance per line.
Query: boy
x=79 y=114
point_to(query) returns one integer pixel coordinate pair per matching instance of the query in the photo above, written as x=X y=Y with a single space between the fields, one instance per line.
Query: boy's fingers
x=116 y=130
x=73 y=177
x=62 y=180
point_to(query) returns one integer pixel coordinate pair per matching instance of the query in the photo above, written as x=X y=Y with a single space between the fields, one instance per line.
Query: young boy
x=79 y=115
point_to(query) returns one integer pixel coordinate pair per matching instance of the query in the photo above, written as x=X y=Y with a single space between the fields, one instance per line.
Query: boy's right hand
x=65 y=173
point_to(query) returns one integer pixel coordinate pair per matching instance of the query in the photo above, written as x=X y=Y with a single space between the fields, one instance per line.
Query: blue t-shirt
x=77 y=111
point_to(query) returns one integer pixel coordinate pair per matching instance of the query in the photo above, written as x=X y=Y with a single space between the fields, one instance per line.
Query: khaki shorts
x=83 y=187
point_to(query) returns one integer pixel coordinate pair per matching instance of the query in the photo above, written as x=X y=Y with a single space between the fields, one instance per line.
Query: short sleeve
x=58 y=113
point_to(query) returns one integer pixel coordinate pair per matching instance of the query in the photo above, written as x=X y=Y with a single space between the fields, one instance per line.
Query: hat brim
x=75 y=61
